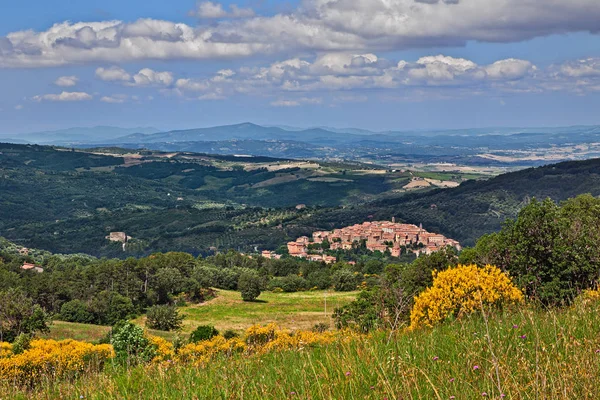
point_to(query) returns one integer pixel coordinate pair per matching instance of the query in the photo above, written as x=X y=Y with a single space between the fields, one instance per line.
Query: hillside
x=478 y=207
x=68 y=201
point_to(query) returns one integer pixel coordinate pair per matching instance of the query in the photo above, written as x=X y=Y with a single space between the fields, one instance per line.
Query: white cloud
x=144 y=77
x=115 y=98
x=148 y=77
x=589 y=67
x=510 y=69
x=66 y=81
x=296 y=102
x=208 y=9
x=314 y=27
x=19 y=107
x=64 y=96
x=112 y=74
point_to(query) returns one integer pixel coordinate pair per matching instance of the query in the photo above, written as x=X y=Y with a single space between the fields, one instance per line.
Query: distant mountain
x=97 y=134
x=244 y=131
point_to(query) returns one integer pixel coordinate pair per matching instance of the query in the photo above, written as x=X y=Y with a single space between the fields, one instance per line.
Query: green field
x=300 y=310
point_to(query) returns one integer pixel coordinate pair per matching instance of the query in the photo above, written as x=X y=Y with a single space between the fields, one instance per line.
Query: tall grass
x=525 y=354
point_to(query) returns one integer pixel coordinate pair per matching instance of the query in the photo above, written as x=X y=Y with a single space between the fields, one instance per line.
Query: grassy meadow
x=299 y=310
x=523 y=354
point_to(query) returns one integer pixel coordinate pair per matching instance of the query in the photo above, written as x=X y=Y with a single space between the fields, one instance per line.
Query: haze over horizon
x=369 y=64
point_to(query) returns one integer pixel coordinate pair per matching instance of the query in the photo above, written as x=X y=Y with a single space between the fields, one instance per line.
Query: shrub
x=21 y=343
x=361 y=315
x=463 y=290
x=76 y=311
x=163 y=318
x=249 y=286
x=320 y=327
x=49 y=358
x=130 y=343
x=203 y=332
x=230 y=334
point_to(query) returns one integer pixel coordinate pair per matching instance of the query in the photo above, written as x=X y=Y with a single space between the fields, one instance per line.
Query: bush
x=76 y=311
x=49 y=359
x=463 y=290
x=230 y=334
x=163 y=318
x=249 y=286
x=130 y=343
x=203 y=332
x=361 y=315
x=320 y=327
x=344 y=280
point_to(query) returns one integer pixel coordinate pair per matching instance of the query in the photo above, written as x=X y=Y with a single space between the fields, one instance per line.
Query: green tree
x=249 y=285
x=551 y=251
x=76 y=311
x=19 y=315
x=344 y=280
x=164 y=318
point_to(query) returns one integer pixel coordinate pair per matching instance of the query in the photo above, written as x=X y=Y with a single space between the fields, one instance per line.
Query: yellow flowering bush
x=5 y=349
x=463 y=290
x=55 y=359
x=259 y=339
x=587 y=297
x=163 y=348
x=204 y=350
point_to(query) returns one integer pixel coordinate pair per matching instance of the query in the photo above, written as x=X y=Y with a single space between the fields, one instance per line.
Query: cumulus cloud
x=144 y=77
x=314 y=27
x=148 y=77
x=589 y=67
x=64 y=96
x=112 y=74
x=208 y=9
x=345 y=73
x=66 y=81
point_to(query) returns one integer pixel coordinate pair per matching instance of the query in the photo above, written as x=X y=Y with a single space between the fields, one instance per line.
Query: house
x=31 y=267
x=118 y=237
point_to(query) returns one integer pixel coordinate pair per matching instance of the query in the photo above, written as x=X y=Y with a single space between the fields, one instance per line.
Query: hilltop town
x=375 y=236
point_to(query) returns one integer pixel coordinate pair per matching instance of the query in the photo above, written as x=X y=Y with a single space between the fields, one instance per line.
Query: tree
x=344 y=280
x=19 y=315
x=163 y=318
x=110 y=307
x=76 y=311
x=249 y=285
x=550 y=250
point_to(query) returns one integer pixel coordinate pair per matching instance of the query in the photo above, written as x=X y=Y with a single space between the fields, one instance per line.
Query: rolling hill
x=67 y=201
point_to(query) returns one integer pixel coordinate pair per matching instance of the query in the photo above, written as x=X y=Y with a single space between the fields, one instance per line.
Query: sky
x=371 y=64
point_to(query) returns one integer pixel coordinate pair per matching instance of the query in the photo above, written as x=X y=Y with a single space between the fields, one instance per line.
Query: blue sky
x=374 y=64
